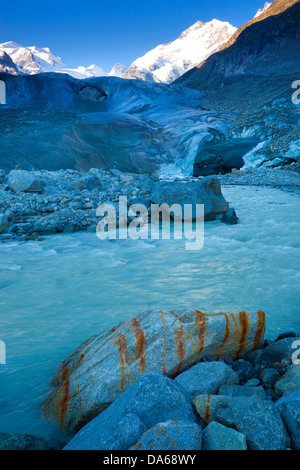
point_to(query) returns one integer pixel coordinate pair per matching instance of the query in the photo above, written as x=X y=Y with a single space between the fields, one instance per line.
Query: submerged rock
x=207 y=192
x=150 y=400
x=172 y=435
x=24 y=181
x=28 y=442
x=259 y=420
x=287 y=334
x=165 y=342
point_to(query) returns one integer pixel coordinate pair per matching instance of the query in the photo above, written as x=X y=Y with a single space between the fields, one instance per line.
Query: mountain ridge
x=32 y=60
x=168 y=61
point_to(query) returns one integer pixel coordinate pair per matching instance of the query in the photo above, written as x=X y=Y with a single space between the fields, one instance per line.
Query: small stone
x=218 y=437
x=269 y=377
x=244 y=369
x=289 y=382
x=288 y=334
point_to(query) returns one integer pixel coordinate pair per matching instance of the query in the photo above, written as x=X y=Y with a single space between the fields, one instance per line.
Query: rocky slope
x=6 y=64
x=253 y=76
x=167 y=62
x=118 y=70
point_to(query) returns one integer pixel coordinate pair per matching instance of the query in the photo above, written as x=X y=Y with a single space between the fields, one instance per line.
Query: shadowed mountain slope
x=253 y=77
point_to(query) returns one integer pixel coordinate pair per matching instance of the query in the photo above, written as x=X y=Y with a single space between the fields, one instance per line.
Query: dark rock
x=274 y=353
x=230 y=217
x=269 y=377
x=244 y=369
x=271 y=395
x=288 y=334
x=208 y=359
x=267 y=342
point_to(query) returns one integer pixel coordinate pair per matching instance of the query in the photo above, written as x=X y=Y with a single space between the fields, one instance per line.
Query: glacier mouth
x=56 y=122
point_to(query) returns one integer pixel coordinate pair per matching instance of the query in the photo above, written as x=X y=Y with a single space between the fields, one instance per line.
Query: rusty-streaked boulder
x=166 y=342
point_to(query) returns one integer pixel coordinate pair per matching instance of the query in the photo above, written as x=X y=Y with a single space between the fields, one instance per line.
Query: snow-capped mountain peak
x=118 y=70
x=169 y=61
x=32 y=60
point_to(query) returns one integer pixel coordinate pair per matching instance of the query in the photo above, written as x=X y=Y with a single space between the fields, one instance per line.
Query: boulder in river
x=165 y=342
x=207 y=192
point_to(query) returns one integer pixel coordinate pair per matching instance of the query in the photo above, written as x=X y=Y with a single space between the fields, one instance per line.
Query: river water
x=56 y=293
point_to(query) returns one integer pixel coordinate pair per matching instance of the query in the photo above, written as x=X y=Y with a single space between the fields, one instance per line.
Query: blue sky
x=110 y=31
